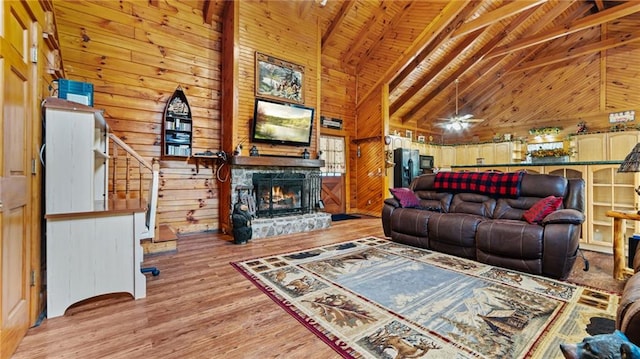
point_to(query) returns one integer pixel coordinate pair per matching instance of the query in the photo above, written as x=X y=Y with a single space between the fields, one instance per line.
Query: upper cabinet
x=621 y=143
x=612 y=146
x=503 y=152
x=78 y=132
x=591 y=147
x=447 y=157
x=490 y=153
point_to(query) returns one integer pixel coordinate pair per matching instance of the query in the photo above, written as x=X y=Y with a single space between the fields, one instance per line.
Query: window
x=333 y=154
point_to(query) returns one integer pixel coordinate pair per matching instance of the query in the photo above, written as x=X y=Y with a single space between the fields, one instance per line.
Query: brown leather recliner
x=628 y=318
x=491 y=229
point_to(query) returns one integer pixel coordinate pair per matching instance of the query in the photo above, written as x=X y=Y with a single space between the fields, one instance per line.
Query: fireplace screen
x=280 y=193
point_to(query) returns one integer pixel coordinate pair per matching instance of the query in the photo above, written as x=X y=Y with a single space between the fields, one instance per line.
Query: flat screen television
x=282 y=123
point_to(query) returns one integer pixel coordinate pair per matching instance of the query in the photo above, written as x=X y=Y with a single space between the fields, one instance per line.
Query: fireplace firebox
x=278 y=194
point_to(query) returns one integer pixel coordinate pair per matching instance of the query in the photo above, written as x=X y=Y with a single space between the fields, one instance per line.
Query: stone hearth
x=242 y=169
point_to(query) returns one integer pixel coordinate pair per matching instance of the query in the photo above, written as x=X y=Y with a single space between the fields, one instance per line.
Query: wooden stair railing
x=139 y=180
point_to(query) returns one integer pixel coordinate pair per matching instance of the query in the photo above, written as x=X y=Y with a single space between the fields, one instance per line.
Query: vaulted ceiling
x=495 y=50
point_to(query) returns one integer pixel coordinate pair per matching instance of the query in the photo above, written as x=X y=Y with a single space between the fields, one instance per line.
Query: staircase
x=133 y=177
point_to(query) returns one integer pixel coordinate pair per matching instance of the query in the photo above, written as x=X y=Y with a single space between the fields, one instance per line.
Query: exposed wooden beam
x=361 y=38
x=482 y=22
x=467 y=64
x=437 y=25
x=600 y=4
x=393 y=23
x=434 y=71
x=208 y=11
x=497 y=66
x=443 y=36
x=603 y=71
x=604 y=16
x=581 y=51
x=337 y=21
x=494 y=16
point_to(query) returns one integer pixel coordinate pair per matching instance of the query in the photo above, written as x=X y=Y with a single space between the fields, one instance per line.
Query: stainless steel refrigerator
x=407 y=166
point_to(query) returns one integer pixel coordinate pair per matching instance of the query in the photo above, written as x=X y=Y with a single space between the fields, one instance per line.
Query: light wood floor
x=198 y=307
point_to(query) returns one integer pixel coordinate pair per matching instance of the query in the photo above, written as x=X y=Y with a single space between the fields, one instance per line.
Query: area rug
x=373 y=298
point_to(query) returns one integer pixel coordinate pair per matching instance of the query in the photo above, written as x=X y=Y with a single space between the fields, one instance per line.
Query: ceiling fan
x=458 y=122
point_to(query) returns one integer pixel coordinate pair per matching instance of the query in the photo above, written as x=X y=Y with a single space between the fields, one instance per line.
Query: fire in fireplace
x=280 y=193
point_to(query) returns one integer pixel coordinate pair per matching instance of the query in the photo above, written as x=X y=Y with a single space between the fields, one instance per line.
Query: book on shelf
x=178 y=150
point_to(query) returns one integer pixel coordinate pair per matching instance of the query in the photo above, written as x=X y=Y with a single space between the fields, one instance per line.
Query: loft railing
x=133 y=177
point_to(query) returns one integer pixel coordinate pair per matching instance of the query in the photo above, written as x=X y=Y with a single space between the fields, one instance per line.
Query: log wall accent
x=230 y=87
x=136 y=55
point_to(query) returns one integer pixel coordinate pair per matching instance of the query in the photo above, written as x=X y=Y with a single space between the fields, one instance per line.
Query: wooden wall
x=275 y=28
x=370 y=164
x=338 y=98
x=268 y=28
x=136 y=55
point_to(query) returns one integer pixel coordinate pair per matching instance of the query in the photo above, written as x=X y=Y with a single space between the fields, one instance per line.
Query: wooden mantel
x=275 y=161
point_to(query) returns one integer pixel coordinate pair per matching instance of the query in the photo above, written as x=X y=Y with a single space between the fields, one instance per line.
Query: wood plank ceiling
x=492 y=47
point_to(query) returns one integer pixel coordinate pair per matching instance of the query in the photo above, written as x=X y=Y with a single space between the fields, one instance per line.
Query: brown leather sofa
x=628 y=319
x=491 y=229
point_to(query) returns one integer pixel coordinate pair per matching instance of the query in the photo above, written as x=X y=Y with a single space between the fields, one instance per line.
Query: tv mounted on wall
x=282 y=123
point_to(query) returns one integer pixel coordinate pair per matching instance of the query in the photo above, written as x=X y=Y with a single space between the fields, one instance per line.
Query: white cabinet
x=91 y=249
x=76 y=156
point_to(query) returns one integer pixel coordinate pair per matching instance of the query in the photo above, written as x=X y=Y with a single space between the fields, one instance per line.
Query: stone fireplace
x=287 y=194
x=279 y=194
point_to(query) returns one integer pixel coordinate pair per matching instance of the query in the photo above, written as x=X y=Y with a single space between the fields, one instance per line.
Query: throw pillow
x=541 y=209
x=406 y=197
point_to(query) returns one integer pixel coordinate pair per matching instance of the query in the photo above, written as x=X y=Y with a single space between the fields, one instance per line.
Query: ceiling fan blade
x=465 y=117
x=474 y=120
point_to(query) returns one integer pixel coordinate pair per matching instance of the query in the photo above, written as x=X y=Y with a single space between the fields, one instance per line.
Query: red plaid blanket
x=489 y=183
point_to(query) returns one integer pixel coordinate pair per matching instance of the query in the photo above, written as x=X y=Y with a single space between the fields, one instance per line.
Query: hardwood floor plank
x=198 y=307
x=201 y=307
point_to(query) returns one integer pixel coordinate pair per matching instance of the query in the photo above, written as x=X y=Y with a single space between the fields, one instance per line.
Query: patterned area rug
x=373 y=298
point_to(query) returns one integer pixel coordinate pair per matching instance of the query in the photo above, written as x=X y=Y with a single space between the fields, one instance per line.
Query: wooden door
x=333 y=194
x=334 y=180
x=15 y=122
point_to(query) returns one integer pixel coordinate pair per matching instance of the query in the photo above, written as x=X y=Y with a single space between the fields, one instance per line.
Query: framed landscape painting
x=278 y=79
